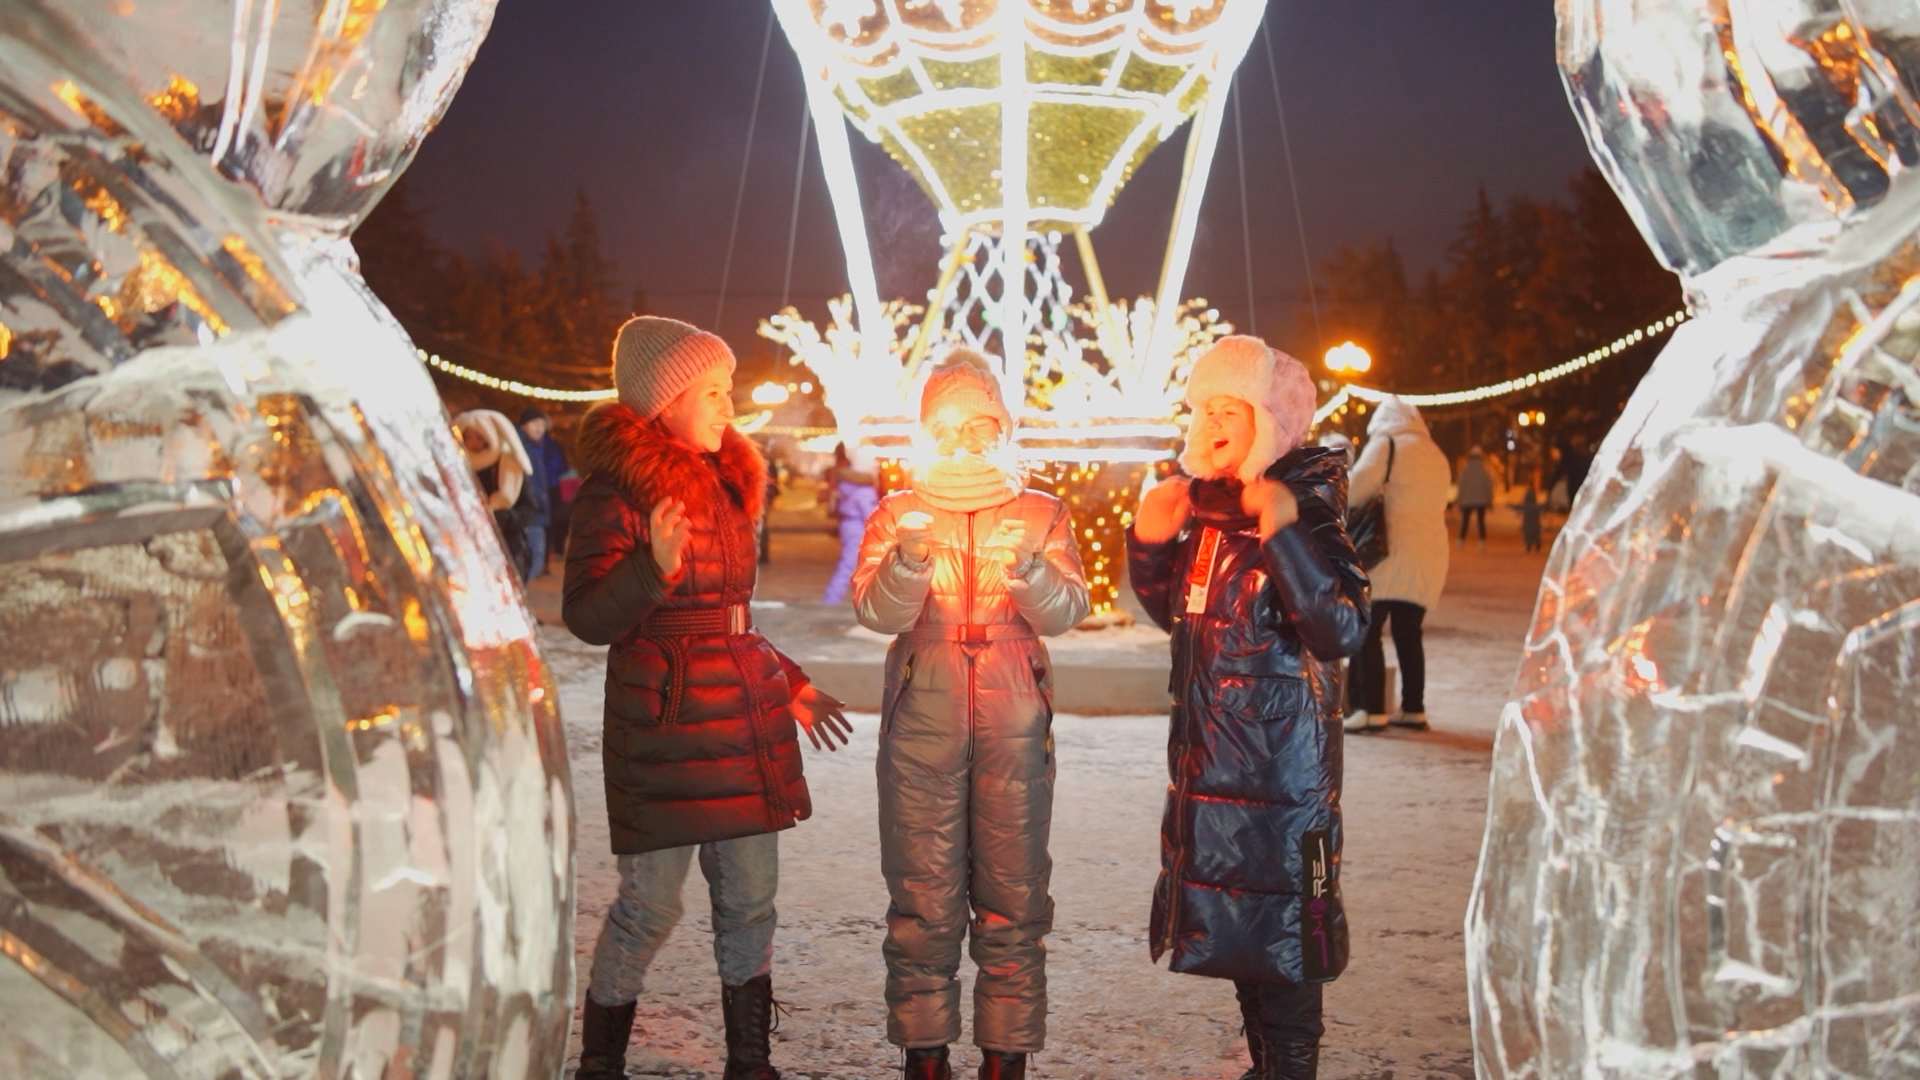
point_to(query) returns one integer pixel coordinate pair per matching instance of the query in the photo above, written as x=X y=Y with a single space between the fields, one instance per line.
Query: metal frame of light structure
x=836 y=162
x=869 y=61
x=1201 y=142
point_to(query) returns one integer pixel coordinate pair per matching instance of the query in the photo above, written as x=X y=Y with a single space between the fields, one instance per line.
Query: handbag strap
x=1391 y=448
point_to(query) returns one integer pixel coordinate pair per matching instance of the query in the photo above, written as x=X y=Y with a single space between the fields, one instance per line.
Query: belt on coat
x=672 y=626
x=732 y=619
x=973 y=633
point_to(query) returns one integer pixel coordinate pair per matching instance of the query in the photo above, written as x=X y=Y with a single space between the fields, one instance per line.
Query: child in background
x=1530 y=508
x=852 y=497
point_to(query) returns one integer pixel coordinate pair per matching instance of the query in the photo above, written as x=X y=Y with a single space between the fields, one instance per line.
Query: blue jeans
x=537 y=540
x=741 y=878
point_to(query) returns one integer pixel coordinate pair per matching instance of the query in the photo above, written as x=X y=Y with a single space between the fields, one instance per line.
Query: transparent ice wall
x=1703 y=848
x=282 y=785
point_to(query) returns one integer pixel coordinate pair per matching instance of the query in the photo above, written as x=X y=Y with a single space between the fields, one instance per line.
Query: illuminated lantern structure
x=1021 y=120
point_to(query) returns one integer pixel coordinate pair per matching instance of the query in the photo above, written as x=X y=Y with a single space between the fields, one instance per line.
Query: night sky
x=1397 y=110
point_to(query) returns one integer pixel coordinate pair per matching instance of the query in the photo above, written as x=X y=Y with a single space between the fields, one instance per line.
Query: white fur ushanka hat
x=1274 y=383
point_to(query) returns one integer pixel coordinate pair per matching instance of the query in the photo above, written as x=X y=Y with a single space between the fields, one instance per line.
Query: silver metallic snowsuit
x=966 y=763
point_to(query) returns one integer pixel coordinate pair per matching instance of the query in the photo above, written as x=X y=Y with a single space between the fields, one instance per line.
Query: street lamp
x=769 y=394
x=1348 y=358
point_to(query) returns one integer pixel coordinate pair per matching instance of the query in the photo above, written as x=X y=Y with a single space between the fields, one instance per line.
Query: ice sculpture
x=1703 y=845
x=282 y=785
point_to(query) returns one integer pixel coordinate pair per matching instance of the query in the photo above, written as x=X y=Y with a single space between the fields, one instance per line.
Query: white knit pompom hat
x=1274 y=383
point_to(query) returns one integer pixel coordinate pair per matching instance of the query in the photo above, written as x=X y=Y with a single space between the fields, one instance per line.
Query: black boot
x=928 y=1063
x=1249 y=996
x=1284 y=1028
x=749 y=1014
x=603 y=1041
x=1292 y=1061
x=1000 y=1065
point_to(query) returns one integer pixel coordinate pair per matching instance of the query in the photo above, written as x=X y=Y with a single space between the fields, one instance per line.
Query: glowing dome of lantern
x=1083 y=90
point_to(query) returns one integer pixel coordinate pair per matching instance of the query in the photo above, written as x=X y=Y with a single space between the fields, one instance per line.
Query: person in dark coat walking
x=700 y=747
x=1574 y=465
x=1475 y=494
x=1249 y=567
x=538 y=492
x=550 y=464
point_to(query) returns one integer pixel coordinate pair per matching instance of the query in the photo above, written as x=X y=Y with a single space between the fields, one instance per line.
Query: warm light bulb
x=1348 y=357
x=770 y=394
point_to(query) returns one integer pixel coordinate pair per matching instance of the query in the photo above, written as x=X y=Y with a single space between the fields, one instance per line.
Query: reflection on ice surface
x=1703 y=843
x=282 y=788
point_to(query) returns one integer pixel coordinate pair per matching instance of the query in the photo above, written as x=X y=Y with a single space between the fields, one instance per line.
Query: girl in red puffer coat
x=700 y=746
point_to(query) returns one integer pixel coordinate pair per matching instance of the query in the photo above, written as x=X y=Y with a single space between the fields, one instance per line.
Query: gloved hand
x=822 y=717
x=915 y=536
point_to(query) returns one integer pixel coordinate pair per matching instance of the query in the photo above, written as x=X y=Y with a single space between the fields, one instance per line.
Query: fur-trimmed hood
x=646 y=464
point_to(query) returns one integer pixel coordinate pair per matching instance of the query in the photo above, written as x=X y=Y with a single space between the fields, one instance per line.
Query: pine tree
x=402 y=264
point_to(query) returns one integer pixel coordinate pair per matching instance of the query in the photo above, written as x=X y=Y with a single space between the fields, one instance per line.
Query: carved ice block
x=282 y=785
x=1703 y=845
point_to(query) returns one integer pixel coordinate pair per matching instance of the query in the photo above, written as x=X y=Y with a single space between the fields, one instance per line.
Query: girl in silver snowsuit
x=969 y=569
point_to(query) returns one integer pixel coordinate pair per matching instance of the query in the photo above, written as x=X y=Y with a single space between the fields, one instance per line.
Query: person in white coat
x=502 y=469
x=1407 y=583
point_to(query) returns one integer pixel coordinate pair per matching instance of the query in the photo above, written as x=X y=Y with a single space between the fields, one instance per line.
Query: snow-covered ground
x=1415 y=805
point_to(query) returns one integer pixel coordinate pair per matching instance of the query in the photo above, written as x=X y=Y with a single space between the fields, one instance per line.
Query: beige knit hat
x=964 y=378
x=654 y=359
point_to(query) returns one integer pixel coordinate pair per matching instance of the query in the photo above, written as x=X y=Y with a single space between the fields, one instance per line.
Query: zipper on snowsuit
x=971 y=652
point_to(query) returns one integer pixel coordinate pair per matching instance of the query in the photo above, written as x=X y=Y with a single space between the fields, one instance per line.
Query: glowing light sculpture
x=1021 y=120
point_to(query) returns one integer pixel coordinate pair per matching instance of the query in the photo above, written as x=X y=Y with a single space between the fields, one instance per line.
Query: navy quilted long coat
x=1250 y=844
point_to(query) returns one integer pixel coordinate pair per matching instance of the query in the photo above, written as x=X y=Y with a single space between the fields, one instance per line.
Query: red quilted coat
x=700 y=741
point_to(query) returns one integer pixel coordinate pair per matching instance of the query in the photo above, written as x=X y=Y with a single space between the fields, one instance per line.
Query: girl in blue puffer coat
x=1247 y=564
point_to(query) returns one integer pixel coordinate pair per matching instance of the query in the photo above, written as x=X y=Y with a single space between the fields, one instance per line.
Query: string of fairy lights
x=513 y=386
x=1505 y=387
x=1340 y=399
